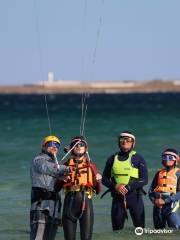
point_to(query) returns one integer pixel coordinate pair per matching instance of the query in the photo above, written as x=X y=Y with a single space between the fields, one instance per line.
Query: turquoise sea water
x=154 y=119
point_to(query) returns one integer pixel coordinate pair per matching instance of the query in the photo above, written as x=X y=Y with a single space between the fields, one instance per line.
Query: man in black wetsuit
x=124 y=175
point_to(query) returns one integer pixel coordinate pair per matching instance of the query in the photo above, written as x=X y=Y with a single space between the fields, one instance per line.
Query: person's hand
x=67 y=179
x=98 y=177
x=64 y=170
x=66 y=149
x=56 y=166
x=159 y=202
x=121 y=189
x=67 y=170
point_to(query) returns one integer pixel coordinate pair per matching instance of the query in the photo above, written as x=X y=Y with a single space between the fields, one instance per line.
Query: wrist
x=167 y=200
x=128 y=187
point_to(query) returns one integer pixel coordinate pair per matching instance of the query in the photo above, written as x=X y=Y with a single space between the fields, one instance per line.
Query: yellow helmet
x=51 y=139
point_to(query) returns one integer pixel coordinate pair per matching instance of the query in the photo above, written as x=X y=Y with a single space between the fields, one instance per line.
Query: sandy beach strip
x=96 y=87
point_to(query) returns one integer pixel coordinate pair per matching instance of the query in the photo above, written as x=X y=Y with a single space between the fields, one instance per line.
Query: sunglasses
x=53 y=144
x=81 y=144
x=168 y=158
x=125 y=139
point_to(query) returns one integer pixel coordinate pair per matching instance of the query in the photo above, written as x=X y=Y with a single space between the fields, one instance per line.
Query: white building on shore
x=51 y=82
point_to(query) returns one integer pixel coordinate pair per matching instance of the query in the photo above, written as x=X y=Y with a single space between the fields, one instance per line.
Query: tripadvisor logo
x=139 y=231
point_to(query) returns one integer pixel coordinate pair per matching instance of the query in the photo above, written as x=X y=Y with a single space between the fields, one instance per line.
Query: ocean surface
x=153 y=118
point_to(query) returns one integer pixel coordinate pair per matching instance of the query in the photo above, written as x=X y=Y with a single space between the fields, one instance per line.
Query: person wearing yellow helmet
x=51 y=145
x=45 y=201
x=51 y=139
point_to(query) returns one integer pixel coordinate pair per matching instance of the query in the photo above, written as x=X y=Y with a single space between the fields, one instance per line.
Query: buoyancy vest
x=167 y=181
x=123 y=171
x=81 y=176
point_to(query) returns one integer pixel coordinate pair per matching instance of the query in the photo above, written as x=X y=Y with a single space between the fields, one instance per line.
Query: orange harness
x=81 y=176
x=167 y=181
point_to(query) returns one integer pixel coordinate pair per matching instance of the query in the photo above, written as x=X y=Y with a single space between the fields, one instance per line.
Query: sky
x=89 y=40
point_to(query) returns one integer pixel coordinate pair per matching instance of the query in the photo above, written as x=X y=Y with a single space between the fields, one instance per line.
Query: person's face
x=52 y=147
x=126 y=143
x=168 y=160
x=79 y=149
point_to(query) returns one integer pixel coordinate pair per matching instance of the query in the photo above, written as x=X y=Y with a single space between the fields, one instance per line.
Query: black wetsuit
x=73 y=211
x=134 y=201
x=78 y=207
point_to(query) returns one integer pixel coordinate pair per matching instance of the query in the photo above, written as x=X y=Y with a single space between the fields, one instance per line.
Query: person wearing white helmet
x=124 y=175
x=164 y=191
x=45 y=201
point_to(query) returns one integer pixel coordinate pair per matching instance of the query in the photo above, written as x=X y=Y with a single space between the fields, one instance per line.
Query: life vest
x=167 y=181
x=81 y=176
x=123 y=171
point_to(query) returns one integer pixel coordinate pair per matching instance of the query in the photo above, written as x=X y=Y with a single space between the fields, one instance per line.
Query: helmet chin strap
x=129 y=150
x=49 y=153
x=79 y=155
x=132 y=147
x=168 y=167
x=125 y=151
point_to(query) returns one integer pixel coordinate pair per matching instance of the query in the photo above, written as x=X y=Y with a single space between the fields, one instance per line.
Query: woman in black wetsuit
x=82 y=182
